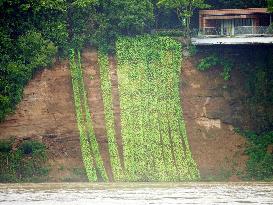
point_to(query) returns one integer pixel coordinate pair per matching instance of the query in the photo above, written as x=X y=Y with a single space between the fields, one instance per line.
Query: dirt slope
x=209 y=113
x=47 y=113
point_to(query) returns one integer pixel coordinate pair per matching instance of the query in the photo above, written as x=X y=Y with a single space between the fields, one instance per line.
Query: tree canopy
x=222 y=4
x=270 y=5
x=32 y=32
x=184 y=8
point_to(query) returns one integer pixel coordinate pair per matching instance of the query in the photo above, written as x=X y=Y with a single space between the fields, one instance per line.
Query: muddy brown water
x=136 y=193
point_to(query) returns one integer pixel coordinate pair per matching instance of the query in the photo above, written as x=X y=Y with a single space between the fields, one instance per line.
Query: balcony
x=238 y=35
x=236 y=31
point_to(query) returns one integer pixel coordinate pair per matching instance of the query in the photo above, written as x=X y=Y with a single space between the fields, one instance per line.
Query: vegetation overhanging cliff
x=33 y=32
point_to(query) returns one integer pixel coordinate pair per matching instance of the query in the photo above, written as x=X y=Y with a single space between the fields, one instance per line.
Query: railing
x=211 y=31
x=252 y=30
x=237 y=31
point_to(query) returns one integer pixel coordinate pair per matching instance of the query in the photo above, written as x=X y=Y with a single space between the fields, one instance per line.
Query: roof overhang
x=229 y=17
x=221 y=12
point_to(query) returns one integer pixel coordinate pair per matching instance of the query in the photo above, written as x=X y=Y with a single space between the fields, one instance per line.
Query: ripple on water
x=136 y=194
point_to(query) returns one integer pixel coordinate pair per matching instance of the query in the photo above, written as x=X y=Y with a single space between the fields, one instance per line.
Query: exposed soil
x=47 y=112
x=116 y=106
x=93 y=89
x=208 y=104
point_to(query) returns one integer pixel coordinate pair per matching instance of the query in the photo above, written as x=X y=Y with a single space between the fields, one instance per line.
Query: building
x=245 y=25
x=230 y=22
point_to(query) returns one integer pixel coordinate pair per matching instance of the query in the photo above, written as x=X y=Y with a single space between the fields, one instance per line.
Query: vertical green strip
x=106 y=88
x=89 y=145
x=87 y=154
x=154 y=137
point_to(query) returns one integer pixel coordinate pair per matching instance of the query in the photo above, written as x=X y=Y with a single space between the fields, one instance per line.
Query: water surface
x=136 y=193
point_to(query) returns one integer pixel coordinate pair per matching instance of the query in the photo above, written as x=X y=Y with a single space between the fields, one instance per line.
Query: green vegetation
x=236 y=4
x=153 y=130
x=260 y=162
x=192 y=50
x=184 y=9
x=270 y=5
x=257 y=68
x=89 y=145
x=207 y=63
x=32 y=31
x=213 y=60
x=73 y=174
x=172 y=33
x=106 y=88
x=25 y=163
x=259 y=84
x=19 y=60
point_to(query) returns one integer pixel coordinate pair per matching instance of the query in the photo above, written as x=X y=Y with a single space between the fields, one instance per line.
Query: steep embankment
x=211 y=111
x=47 y=113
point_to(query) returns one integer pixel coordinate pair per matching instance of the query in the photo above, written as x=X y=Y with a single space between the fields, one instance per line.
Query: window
x=243 y=22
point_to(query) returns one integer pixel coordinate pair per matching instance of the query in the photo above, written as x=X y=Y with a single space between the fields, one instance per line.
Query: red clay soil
x=47 y=113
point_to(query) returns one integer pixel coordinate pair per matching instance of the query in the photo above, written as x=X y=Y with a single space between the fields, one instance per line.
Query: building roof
x=247 y=11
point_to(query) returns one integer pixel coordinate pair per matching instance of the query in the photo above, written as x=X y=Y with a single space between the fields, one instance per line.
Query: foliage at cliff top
x=31 y=31
x=184 y=9
x=270 y=5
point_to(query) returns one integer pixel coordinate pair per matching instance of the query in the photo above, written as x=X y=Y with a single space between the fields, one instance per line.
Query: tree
x=184 y=9
x=270 y=5
x=236 y=4
x=126 y=17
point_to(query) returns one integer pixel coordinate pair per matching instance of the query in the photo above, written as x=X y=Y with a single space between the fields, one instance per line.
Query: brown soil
x=207 y=104
x=47 y=112
x=92 y=86
x=116 y=106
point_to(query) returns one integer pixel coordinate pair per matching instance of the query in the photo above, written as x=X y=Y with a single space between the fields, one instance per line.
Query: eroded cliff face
x=46 y=113
x=211 y=110
x=212 y=107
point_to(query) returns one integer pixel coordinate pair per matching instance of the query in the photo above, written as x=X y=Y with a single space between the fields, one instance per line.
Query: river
x=136 y=193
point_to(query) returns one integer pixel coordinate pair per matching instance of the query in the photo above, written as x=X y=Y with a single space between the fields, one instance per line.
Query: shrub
x=35 y=50
x=5 y=146
x=31 y=52
x=260 y=163
x=270 y=29
x=174 y=33
x=26 y=164
x=192 y=49
x=227 y=65
x=211 y=61
x=207 y=63
x=33 y=147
